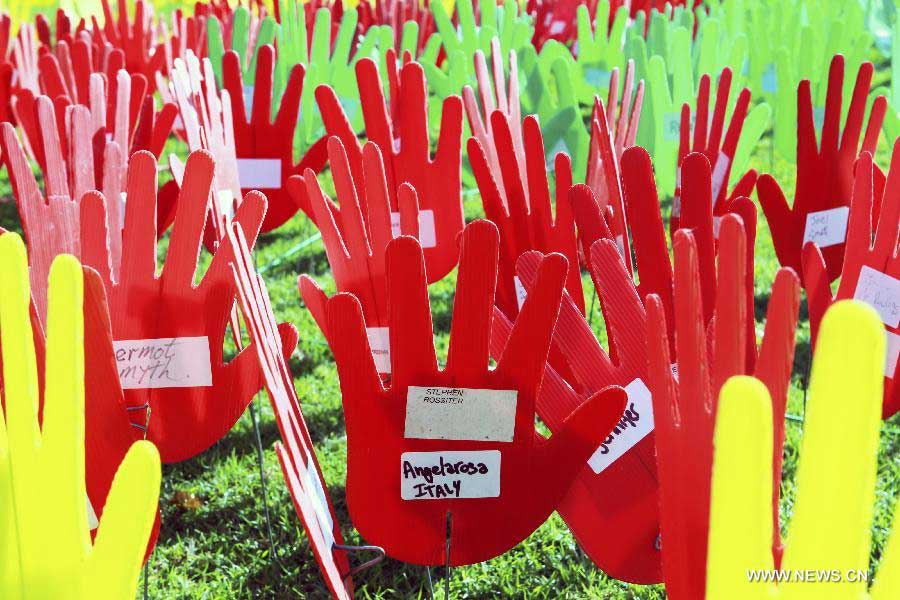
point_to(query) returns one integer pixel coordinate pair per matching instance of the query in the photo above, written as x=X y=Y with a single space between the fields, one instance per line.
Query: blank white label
x=446 y=413
x=893 y=351
x=225 y=200
x=163 y=363
x=881 y=292
x=521 y=293
x=450 y=474
x=597 y=77
x=93 y=522
x=723 y=161
x=427 y=237
x=380 y=344
x=315 y=491
x=770 y=79
x=827 y=227
x=248 y=98
x=123 y=197
x=557 y=27
x=634 y=426
x=717 y=225
x=259 y=173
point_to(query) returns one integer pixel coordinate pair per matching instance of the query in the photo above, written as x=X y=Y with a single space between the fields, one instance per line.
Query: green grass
x=213 y=541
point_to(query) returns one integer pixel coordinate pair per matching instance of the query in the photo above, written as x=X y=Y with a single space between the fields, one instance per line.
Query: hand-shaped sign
x=143 y=53
x=356 y=232
x=50 y=220
x=265 y=148
x=833 y=508
x=612 y=508
x=400 y=129
x=719 y=150
x=611 y=133
x=824 y=171
x=684 y=405
x=169 y=332
x=301 y=470
x=448 y=460
x=871 y=269
x=524 y=216
x=42 y=460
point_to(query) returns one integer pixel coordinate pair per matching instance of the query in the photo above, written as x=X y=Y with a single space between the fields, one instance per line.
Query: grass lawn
x=214 y=543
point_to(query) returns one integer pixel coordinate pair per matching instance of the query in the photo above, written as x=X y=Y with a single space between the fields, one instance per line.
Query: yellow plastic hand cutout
x=827 y=551
x=45 y=545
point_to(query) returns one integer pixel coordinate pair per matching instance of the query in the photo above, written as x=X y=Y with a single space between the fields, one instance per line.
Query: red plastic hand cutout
x=296 y=453
x=137 y=39
x=400 y=129
x=50 y=221
x=524 y=216
x=265 y=148
x=499 y=97
x=356 y=233
x=610 y=135
x=413 y=481
x=718 y=150
x=824 y=171
x=871 y=269
x=195 y=397
x=684 y=405
x=612 y=508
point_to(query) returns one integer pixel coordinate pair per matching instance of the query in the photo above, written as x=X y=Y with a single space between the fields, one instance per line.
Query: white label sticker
x=248 y=99
x=827 y=227
x=559 y=146
x=521 y=293
x=881 y=292
x=770 y=79
x=674 y=369
x=225 y=200
x=93 y=521
x=723 y=161
x=893 y=352
x=620 y=244
x=315 y=491
x=557 y=27
x=427 y=236
x=672 y=126
x=259 y=173
x=380 y=344
x=163 y=362
x=819 y=117
x=597 y=77
x=123 y=199
x=717 y=224
x=450 y=474
x=676 y=200
x=447 y=413
x=634 y=425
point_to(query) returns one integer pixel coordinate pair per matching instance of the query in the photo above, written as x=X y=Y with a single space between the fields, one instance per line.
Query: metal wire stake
x=430 y=582
x=447 y=555
x=366 y=565
x=260 y=459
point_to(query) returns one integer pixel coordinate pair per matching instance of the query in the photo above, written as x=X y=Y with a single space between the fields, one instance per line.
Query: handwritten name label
x=723 y=161
x=827 y=227
x=634 y=426
x=427 y=237
x=163 y=363
x=446 y=413
x=450 y=474
x=672 y=126
x=893 y=352
x=259 y=173
x=315 y=491
x=380 y=344
x=881 y=292
x=521 y=293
